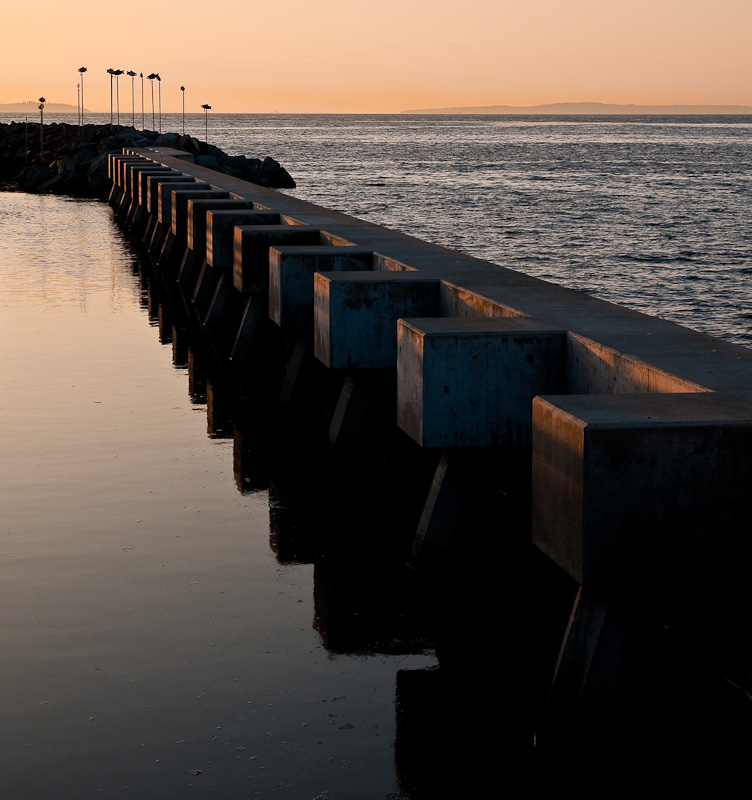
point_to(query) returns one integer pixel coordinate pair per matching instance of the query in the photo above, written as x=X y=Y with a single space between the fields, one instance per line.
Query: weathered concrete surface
x=470 y=382
x=153 y=184
x=220 y=233
x=196 y=213
x=142 y=189
x=626 y=486
x=473 y=287
x=251 y=251
x=180 y=200
x=291 y=272
x=356 y=313
x=166 y=198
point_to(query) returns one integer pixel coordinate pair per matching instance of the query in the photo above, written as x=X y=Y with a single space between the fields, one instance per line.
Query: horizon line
x=575 y=107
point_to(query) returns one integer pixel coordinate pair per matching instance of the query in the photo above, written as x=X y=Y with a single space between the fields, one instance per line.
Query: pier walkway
x=638 y=431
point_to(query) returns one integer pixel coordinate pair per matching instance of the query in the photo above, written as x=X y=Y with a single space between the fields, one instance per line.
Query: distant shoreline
x=589 y=109
x=549 y=109
x=33 y=106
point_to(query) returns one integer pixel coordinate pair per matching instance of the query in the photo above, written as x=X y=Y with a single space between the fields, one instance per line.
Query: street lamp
x=117 y=73
x=42 y=101
x=150 y=78
x=110 y=72
x=206 y=108
x=132 y=75
x=182 y=89
x=82 y=70
x=159 y=84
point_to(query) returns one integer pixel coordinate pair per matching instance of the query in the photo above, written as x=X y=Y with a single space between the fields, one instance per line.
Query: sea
x=158 y=641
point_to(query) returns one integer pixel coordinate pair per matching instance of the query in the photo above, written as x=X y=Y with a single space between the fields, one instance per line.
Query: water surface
x=154 y=645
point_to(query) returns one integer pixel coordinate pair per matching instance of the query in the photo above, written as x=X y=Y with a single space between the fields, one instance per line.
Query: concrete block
x=220 y=232
x=625 y=486
x=114 y=162
x=470 y=382
x=356 y=313
x=141 y=185
x=124 y=167
x=196 y=213
x=165 y=190
x=291 y=271
x=134 y=170
x=153 y=184
x=180 y=198
x=594 y=368
x=251 y=245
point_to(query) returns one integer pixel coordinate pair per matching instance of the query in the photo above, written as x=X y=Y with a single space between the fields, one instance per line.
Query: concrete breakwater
x=72 y=160
x=515 y=411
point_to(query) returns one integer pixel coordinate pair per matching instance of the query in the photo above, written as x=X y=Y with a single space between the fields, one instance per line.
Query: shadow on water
x=493 y=608
x=352 y=517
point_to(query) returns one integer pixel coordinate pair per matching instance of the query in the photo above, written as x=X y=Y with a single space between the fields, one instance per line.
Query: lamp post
x=206 y=108
x=81 y=71
x=132 y=75
x=143 y=124
x=150 y=78
x=42 y=101
x=110 y=72
x=118 y=73
x=159 y=84
x=78 y=104
x=182 y=89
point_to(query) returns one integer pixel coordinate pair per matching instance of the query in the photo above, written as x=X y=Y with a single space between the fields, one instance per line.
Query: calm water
x=154 y=644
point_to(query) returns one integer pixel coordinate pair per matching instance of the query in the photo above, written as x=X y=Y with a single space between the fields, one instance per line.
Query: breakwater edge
x=350 y=307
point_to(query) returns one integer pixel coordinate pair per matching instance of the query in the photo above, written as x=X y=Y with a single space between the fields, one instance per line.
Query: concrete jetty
x=637 y=432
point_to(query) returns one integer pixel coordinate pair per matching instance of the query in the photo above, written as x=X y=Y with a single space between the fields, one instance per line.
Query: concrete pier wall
x=449 y=312
x=639 y=430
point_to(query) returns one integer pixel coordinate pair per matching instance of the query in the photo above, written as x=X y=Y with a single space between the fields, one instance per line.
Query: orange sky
x=347 y=56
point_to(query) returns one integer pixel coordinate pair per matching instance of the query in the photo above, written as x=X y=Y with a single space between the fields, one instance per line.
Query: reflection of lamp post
x=143 y=125
x=182 y=89
x=150 y=78
x=132 y=75
x=206 y=108
x=82 y=70
x=42 y=101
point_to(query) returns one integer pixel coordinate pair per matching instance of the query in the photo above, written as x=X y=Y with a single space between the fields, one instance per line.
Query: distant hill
x=32 y=106
x=585 y=108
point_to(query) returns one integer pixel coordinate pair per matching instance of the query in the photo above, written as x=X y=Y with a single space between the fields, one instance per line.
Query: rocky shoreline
x=74 y=161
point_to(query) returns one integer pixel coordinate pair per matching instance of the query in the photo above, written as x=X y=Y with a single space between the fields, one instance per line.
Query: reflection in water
x=154 y=644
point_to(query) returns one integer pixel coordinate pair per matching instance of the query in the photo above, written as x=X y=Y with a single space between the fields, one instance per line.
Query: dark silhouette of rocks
x=74 y=161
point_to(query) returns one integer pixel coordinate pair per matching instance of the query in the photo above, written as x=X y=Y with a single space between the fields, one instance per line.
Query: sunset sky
x=346 y=56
